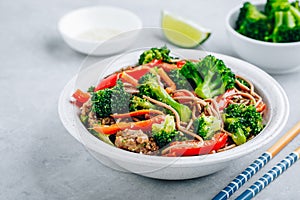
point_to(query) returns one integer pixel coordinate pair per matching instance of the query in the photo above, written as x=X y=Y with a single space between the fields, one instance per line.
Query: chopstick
x=259 y=163
x=270 y=176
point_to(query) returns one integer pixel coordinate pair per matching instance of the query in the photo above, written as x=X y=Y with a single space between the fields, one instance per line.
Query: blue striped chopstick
x=271 y=175
x=243 y=177
x=259 y=163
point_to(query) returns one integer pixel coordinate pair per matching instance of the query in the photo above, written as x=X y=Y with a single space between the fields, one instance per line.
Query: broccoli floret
x=273 y=6
x=110 y=100
x=155 y=53
x=210 y=76
x=289 y=28
x=296 y=5
x=180 y=81
x=207 y=126
x=286 y=26
x=243 y=121
x=148 y=76
x=252 y=23
x=150 y=86
x=143 y=85
x=91 y=89
x=286 y=34
x=190 y=71
x=235 y=126
x=295 y=11
x=279 y=23
x=137 y=103
x=165 y=132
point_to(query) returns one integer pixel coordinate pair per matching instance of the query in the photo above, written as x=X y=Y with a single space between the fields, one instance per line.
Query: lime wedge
x=183 y=32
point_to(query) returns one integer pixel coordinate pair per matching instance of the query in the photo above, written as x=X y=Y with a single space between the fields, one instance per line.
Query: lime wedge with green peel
x=183 y=32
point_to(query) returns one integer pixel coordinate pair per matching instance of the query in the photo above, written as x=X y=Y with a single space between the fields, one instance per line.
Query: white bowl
x=99 y=30
x=275 y=58
x=180 y=167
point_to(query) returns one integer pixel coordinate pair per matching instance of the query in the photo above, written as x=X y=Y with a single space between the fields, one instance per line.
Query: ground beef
x=131 y=140
x=86 y=110
x=135 y=141
x=92 y=119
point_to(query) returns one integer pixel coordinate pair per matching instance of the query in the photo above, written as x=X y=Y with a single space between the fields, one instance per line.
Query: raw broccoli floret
x=180 y=81
x=166 y=132
x=110 y=100
x=252 y=23
x=155 y=53
x=210 y=76
x=150 y=86
x=207 y=126
x=137 y=103
x=242 y=121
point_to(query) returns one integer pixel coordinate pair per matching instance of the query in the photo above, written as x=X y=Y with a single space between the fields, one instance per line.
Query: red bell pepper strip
x=194 y=147
x=80 y=96
x=180 y=63
x=135 y=73
x=144 y=125
x=138 y=72
x=111 y=80
x=108 y=82
x=137 y=113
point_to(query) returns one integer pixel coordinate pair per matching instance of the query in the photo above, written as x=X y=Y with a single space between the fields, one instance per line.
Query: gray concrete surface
x=39 y=160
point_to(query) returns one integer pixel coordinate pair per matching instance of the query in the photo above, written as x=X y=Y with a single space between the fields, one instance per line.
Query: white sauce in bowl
x=99 y=34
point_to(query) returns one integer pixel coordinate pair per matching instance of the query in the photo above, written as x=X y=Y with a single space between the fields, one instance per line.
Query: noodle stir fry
x=172 y=107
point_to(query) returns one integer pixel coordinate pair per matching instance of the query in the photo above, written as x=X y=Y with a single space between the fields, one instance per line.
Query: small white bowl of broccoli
x=267 y=34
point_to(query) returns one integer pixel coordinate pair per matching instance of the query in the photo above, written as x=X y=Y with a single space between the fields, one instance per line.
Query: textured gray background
x=40 y=160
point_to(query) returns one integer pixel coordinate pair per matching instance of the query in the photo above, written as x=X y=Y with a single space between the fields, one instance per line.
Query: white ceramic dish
x=275 y=58
x=168 y=167
x=99 y=30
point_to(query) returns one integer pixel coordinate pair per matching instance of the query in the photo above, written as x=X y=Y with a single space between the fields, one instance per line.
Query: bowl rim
x=60 y=24
x=248 y=39
x=256 y=143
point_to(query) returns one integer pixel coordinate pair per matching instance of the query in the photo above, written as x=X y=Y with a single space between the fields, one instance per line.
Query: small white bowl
x=275 y=58
x=174 y=168
x=99 y=30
